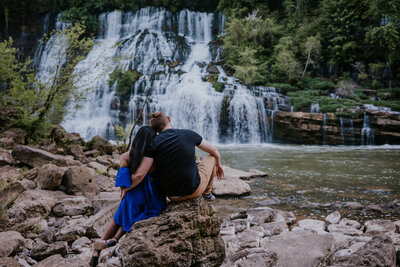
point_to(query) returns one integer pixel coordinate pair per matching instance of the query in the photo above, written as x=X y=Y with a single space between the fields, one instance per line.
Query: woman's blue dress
x=141 y=202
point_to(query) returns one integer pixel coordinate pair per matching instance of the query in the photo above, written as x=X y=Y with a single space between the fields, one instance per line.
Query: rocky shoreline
x=57 y=199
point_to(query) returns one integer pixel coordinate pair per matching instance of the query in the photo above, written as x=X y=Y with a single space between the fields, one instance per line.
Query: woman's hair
x=142 y=139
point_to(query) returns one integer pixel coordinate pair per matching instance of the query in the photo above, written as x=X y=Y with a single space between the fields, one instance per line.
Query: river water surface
x=309 y=178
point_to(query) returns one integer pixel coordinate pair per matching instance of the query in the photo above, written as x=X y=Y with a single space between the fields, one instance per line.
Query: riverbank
x=57 y=198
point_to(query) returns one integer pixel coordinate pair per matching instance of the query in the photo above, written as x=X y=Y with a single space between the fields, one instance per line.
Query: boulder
x=96 y=224
x=251 y=257
x=6 y=158
x=260 y=215
x=11 y=242
x=9 y=193
x=344 y=229
x=92 y=153
x=65 y=139
x=212 y=69
x=35 y=157
x=101 y=144
x=72 y=206
x=351 y=223
x=12 y=137
x=59 y=261
x=186 y=234
x=50 y=176
x=352 y=205
x=269 y=202
x=274 y=228
x=70 y=233
x=300 y=248
x=77 y=152
x=380 y=251
x=79 y=180
x=230 y=187
x=34 y=204
x=105 y=183
x=42 y=250
x=333 y=218
x=9 y=262
x=100 y=168
x=80 y=244
x=381 y=226
x=309 y=224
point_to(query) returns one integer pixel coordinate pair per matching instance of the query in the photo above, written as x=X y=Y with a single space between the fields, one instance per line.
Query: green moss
x=124 y=79
x=219 y=86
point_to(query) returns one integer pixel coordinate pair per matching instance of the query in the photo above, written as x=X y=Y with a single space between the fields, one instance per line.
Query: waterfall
x=347 y=131
x=172 y=53
x=314 y=107
x=367 y=133
x=324 y=130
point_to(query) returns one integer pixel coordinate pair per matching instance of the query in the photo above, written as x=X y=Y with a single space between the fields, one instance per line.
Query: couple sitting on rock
x=157 y=166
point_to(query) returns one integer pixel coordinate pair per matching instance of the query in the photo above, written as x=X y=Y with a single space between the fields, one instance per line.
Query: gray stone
x=35 y=157
x=373 y=208
x=97 y=223
x=300 y=248
x=101 y=144
x=309 y=224
x=187 y=234
x=380 y=251
x=351 y=223
x=352 y=205
x=275 y=228
x=105 y=183
x=81 y=243
x=92 y=153
x=344 y=229
x=381 y=226
x=6 y=158
x=42 y=250
x=72 y=206
x=50 y=176
x=248 y=239
x=79 y=180
x=333 y=218
x=70 y=233
x=11 y=242
x=33 y=204
x=100 y=168
x=230 y=186
x=8 y=262
x=260 y=215
x=77 y=152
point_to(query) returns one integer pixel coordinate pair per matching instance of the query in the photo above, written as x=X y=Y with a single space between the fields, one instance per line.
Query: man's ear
x=169 y=119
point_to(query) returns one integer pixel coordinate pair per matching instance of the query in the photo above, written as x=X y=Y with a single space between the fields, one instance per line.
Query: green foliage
x=42 y=103
x=317 y=83
x=388 y=93
x=219 y=86
x=285 y=67
x=124 y=80
x=284 y=88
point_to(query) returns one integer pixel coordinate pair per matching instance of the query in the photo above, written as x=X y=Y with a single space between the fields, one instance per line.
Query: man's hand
x=219 y=171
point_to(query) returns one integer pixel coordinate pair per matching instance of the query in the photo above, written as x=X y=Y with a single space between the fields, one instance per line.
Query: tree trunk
x=308 y=60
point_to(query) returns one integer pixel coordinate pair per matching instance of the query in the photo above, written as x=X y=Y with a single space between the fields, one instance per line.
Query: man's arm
x=139 y=174
x=212 y=150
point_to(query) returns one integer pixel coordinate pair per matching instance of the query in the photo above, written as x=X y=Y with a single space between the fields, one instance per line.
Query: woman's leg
x=111 y=230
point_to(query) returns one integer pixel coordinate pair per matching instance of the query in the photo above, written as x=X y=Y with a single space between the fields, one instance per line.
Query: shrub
x=124 y=79
x=219 y=86
x=284 y=87
x=317 y=83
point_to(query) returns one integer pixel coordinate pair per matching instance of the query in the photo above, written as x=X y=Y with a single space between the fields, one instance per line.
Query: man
x=173 y=152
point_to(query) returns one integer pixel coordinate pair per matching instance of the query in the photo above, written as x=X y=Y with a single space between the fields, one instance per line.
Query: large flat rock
x=300 y=248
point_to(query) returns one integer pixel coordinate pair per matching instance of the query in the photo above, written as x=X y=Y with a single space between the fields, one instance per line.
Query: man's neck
x=166 y=128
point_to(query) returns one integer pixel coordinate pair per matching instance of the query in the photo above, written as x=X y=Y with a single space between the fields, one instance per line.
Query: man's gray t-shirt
x=174 y=153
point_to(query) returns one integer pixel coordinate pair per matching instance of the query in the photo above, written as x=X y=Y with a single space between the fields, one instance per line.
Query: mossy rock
x=124 y=80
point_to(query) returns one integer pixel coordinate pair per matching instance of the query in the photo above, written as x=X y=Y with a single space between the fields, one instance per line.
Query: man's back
x=174 y=154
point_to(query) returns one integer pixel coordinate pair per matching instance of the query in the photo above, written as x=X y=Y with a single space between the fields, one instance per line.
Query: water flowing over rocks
x=318 y=128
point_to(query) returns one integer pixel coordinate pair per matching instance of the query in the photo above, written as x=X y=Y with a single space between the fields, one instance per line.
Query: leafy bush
x=388 y=93
x=284 y=87
x=317 y=83
x=219 y=86
x=124 y=79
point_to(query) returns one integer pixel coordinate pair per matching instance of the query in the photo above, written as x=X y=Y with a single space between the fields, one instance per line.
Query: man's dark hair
x=158 y=120
x=142 y=139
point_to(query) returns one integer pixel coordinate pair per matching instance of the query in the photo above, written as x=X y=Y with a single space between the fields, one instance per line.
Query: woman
x=142 y=202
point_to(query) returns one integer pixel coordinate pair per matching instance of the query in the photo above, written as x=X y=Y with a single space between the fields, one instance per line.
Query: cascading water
x=173 y=54
x=367 y=133
x=347 y=130
x=324 y=130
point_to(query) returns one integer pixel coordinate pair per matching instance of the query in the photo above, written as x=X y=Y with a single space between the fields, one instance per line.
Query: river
x=309 y=178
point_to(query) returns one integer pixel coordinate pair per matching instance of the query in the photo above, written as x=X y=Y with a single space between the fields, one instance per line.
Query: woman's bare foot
x=101 y=244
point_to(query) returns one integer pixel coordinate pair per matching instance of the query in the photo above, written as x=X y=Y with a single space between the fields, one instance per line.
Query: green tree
x=312 y=48
x=285 y=66
x=43 y=103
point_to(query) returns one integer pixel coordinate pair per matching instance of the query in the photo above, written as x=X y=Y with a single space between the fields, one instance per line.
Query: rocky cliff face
x=371 y=127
